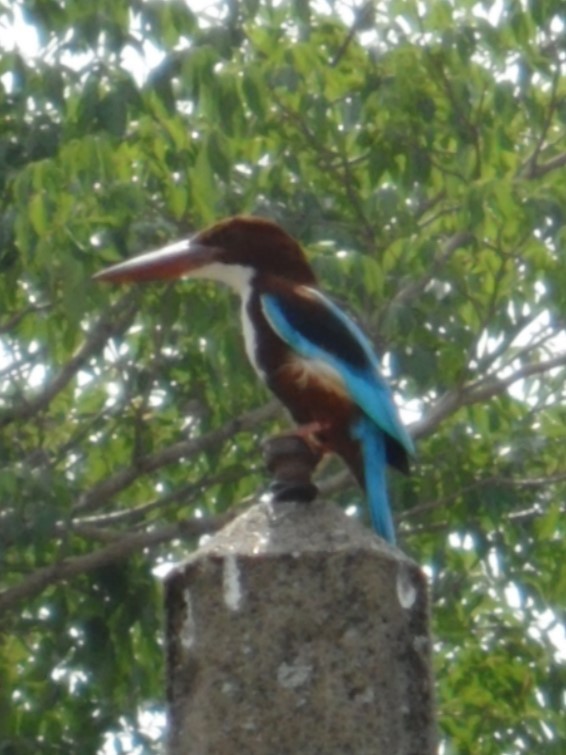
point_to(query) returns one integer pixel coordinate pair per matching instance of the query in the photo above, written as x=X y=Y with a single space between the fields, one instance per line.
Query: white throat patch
x=238 y=278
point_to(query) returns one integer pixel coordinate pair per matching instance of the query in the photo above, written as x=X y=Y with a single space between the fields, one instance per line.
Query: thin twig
x=530 y=168
x=136 y=513
x=17 y=317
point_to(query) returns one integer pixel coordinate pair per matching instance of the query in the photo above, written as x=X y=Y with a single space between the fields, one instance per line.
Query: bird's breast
x=313 y=391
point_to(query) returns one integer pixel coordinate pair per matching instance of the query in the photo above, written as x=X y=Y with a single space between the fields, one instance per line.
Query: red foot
x=313 y=435
x=311 y=428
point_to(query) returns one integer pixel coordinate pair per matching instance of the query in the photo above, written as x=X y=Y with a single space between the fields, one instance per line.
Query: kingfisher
x=309 y=353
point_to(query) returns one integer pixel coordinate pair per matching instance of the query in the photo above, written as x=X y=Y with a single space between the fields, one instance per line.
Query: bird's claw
x=312 y=434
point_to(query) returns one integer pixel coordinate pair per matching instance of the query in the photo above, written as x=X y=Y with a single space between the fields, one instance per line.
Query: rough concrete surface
x=296 y=631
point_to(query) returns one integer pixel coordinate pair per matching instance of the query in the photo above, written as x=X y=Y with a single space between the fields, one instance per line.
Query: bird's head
x=232 y=251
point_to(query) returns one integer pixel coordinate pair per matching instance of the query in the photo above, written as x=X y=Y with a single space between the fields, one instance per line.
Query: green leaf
x=38 y=214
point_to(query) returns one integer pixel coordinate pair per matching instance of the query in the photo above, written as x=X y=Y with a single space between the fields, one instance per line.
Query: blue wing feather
x=362 y=378
x=372 y=444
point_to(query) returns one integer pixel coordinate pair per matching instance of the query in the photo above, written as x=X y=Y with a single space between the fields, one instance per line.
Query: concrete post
x=296 y=631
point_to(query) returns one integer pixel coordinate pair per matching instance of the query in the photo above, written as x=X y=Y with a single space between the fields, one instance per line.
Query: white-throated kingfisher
x=308 y=352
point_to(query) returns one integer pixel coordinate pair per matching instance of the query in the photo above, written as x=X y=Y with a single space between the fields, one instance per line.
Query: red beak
x=172 y=261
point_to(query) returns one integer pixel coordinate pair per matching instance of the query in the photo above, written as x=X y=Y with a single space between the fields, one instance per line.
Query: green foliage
x=420 y=157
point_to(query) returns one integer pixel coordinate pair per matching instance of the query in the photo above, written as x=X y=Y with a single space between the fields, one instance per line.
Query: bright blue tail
x=372 y=441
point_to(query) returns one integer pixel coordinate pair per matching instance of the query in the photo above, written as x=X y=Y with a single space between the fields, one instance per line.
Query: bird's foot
x=312 y=434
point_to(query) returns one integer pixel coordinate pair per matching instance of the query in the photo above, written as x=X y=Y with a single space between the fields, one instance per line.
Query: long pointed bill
x=173 y=261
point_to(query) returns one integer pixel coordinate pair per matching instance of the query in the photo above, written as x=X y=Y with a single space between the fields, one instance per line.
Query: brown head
x=230 y=251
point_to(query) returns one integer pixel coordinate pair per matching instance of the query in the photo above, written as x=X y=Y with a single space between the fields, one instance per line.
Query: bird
x=310 y=354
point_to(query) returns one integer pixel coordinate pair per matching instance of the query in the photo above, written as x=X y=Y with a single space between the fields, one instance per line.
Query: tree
x=420 y=158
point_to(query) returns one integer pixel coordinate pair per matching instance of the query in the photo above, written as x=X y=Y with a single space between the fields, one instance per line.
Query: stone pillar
x=296 y=631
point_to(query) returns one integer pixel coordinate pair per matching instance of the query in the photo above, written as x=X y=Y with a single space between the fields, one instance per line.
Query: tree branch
x=116 y=321
x=137 y=513
x=99 y=494
x=507 y=482
x=481 y=390
x=66 y=569
x=415 y=288
x=490 y=386
x=541 y=169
